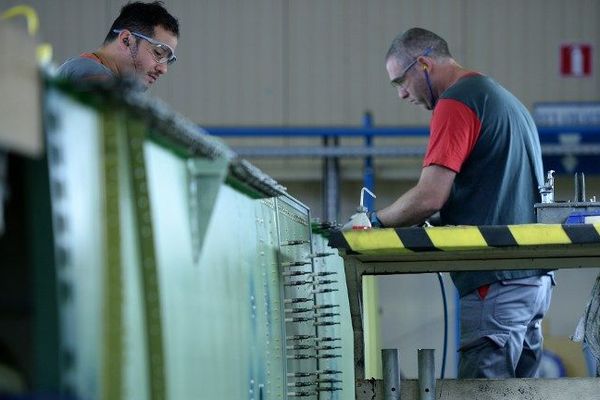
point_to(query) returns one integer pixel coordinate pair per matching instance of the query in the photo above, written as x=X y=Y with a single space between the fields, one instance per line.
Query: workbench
x=464 y=248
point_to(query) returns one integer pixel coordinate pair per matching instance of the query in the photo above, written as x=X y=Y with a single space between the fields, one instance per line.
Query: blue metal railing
x=368 y=130
x=299 y=131
x=560 y=145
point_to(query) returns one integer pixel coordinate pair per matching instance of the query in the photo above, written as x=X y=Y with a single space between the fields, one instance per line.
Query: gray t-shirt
x=498 y=182
x=84 y=69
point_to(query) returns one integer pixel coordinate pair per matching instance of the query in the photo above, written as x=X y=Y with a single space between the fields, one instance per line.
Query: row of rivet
x=304 y=347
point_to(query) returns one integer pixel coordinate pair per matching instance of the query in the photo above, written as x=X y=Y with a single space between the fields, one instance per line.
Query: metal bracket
x=205 y=177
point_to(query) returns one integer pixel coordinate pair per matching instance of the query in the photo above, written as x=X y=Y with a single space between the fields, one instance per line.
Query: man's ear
x=424 y=63
x=124 y=37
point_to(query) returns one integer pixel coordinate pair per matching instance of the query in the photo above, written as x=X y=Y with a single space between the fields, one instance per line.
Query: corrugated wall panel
x=444 y=18
x=362 y=57
x=314 y=62
x=581 y=24
x=333 y=83
x=71 y=26
x=518 y=44
x=230 y=62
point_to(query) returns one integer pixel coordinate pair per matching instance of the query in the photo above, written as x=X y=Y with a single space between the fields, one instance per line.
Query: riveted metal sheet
x=154 y=308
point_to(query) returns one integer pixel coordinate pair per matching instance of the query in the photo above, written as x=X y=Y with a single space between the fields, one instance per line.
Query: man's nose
x=161 y=68
x=402 y=93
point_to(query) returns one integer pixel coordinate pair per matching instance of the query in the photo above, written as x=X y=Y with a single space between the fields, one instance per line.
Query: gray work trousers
x=501 y=334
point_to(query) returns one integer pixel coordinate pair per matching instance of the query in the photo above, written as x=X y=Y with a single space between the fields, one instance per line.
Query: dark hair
x=414 y=42
x=142 y=18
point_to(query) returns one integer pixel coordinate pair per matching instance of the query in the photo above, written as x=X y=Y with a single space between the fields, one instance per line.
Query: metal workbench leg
x=426 y=374
x=391 y=374
x=354 y=270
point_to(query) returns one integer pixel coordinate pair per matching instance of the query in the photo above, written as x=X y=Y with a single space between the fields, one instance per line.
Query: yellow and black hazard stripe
x=455 y=238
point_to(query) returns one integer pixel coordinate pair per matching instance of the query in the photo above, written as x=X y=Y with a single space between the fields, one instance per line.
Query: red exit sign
x=576 y=59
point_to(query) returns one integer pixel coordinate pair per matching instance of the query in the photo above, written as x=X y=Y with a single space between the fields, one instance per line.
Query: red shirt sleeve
x=454 y=130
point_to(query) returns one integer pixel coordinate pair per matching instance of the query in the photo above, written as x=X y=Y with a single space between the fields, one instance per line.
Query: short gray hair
x=414 y=42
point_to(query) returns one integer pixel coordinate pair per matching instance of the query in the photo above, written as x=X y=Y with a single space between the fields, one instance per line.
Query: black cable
x=445 y=350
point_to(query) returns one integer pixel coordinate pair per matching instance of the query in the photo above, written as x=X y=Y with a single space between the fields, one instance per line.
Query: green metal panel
x=331 y=261
x=222 y=325
x=185 y=273
x=74 y=157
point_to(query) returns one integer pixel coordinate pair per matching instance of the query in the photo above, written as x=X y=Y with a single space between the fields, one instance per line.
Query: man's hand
x=363 y=220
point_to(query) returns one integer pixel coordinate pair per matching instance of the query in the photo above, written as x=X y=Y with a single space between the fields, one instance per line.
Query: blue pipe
x=368 y=130
x=317 y=132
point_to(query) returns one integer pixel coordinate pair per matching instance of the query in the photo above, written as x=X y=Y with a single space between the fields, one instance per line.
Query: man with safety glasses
x=140 y=43
x=482 y=166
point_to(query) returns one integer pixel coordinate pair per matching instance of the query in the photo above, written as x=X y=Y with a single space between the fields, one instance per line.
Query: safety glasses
x=399 y=80
x=162 y=53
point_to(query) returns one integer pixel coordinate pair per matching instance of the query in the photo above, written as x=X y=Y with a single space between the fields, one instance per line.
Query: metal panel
x=79 y=242
x=330 y=261
x=191 y=266
x=232 y=323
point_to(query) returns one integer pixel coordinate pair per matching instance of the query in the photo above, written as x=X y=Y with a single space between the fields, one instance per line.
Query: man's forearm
x=422 y=201
x=413 y=207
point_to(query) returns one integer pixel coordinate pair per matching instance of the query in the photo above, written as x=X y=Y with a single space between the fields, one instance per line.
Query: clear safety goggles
x=162 y=52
